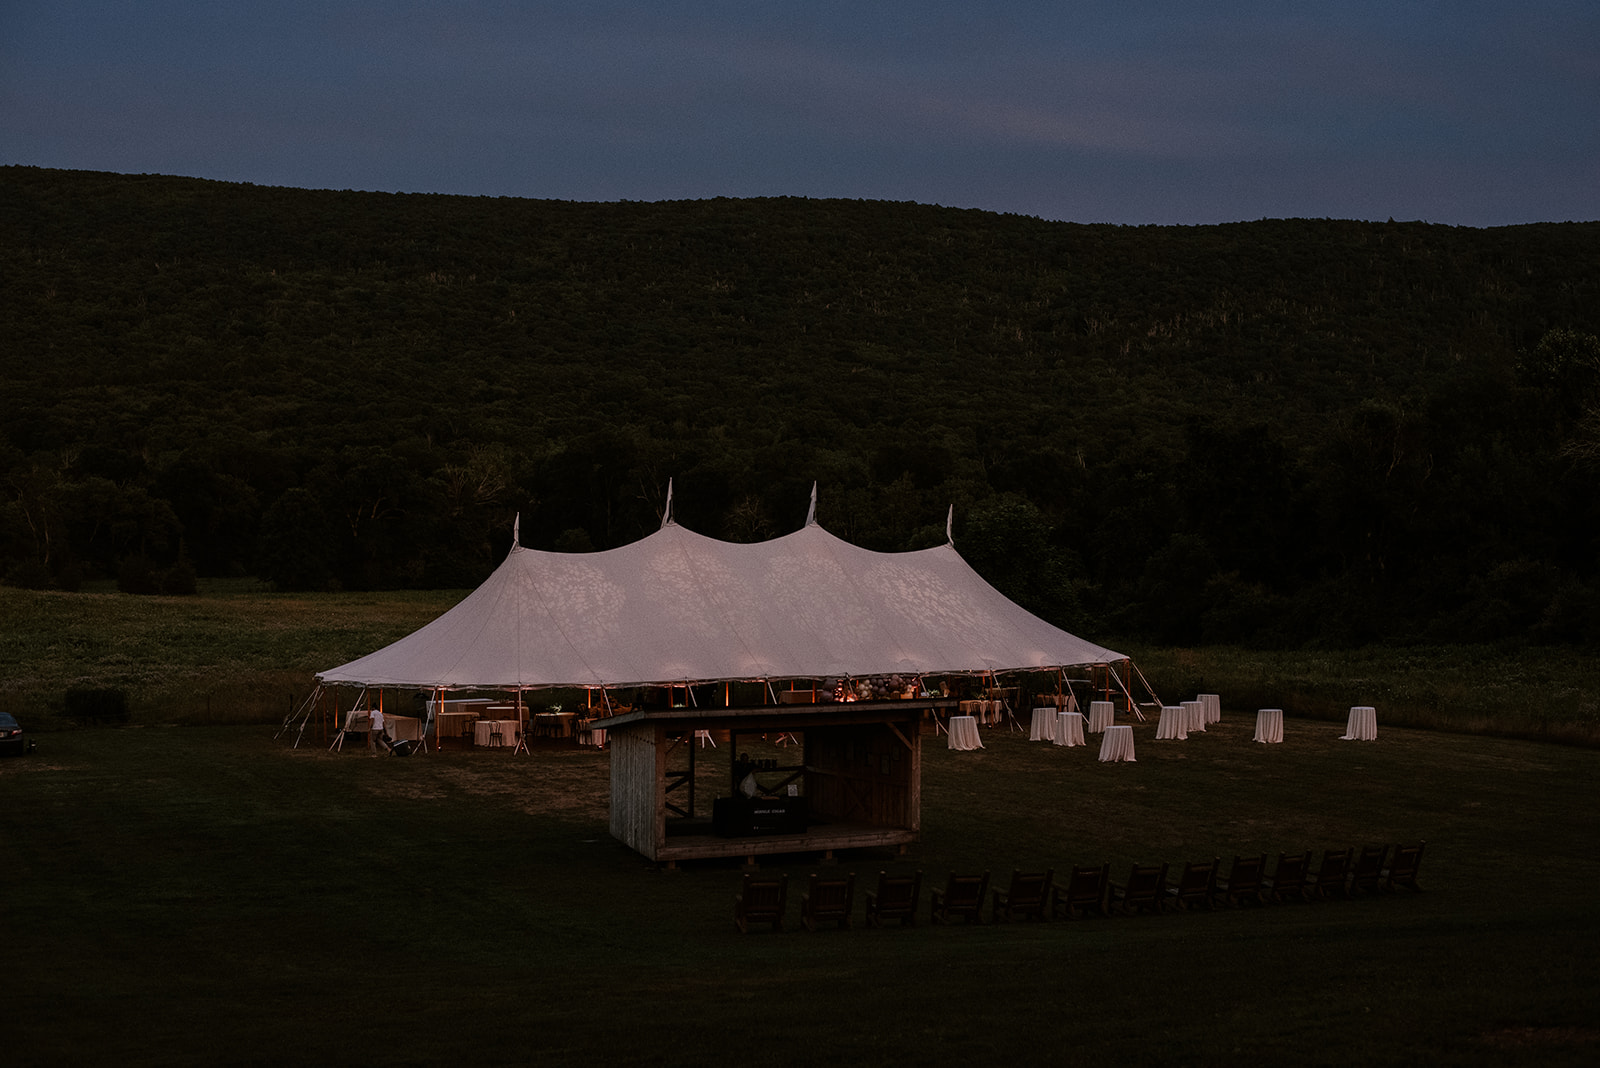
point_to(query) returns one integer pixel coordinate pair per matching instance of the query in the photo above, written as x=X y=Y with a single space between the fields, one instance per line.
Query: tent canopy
x=678 y=607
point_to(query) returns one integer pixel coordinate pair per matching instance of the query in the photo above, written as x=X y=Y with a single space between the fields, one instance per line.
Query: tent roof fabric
x=679 y=607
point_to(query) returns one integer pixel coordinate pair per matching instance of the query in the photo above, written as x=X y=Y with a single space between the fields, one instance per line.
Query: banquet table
x=554 y=724
x=455 y=724
x=1043 y=728
x=1212 y=703
x=483 y=732
x=1269 y=725
x=1194 y=716
x=1069 y=728
x=1101 y=714
x=964 y=733
x=1173 y=724
x=1118 y=743
x=402 y=728
x=1363 y=726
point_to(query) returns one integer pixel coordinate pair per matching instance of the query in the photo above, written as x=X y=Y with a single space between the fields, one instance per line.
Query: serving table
x=964 y=733
x=1101 y=714
x=1069 y=728
x=1269 y=725
x=1117 y=745
x=1174 y=723
x=1363 y=726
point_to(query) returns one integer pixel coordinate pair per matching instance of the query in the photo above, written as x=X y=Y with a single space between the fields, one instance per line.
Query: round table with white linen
x=1269 y=725
x=1194 y=716
x=1069 y=728
x=495 y=732
x=1173 y=723
x=1043 y=728
x=1363 y=726
x=1118 y=743
x=1101 y=715
x=1212 y=703
x=964 y=733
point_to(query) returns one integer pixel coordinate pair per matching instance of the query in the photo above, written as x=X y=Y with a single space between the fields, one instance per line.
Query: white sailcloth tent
x=679 y=607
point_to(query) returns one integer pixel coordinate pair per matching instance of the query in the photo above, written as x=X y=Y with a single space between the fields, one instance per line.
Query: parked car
x=12 y=743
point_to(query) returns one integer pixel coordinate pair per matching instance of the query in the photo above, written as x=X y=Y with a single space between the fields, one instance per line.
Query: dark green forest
x=1278 y=433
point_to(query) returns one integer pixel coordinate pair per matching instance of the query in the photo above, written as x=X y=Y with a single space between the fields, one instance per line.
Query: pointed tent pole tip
x=516 y=531
x=949 y=526
x=811 y=513
x=666 y=513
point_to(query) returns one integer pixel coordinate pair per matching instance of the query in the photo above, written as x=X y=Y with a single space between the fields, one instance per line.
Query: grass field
x=181 y=895
x=192 y=890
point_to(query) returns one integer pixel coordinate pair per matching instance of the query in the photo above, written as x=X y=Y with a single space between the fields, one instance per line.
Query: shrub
x=90 y=705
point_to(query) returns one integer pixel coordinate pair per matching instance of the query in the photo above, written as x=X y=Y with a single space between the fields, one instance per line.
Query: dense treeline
x=1277 y=432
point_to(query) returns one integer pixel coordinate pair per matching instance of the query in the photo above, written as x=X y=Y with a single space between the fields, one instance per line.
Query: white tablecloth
x=1101 y=715
x=1118 y=743
x=964 y=733
x=1363 y=725
x=1269 y=725
x=1173 y=724
x=1213 y=706
x=483 y=732
x=402 y=728
x=1069 y=728
x=1194 y=716
x=1044 y=725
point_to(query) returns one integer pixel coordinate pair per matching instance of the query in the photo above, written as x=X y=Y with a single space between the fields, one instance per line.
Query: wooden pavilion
x=854 y=781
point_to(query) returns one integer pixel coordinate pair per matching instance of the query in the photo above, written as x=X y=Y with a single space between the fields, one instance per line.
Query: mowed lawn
x=197 y=895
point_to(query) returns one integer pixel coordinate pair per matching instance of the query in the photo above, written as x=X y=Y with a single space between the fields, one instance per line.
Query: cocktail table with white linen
x=1212 y=703
x=1069 y=728
x=1173 y=724
x=1043 y=728
x=1117 y=745
x=964 y=733
x=1101 y=715
x=1363 y=726
x=1269 y=725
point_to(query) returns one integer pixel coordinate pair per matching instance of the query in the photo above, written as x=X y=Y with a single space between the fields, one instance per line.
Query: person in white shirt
x=375 y=736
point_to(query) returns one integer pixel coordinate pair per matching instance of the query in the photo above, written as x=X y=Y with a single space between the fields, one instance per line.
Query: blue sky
x=1476 y=114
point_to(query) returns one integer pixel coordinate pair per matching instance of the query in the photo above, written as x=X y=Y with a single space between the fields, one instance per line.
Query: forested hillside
x=1276 y=432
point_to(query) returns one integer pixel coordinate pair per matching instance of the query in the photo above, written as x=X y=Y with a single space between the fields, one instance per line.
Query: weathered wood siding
x=636 y=788
x=865 y=774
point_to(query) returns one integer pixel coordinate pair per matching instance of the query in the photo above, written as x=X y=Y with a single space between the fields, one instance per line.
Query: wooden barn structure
x=851 y=777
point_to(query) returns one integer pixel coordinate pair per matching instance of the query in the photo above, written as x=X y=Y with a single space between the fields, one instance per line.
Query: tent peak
x=666 y=512
x=811 y=513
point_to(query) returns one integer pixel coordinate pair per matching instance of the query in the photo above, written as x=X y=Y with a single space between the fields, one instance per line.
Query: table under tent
x=843 y=655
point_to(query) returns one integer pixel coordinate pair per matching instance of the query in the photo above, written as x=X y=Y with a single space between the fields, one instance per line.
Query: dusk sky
x=1468 y=113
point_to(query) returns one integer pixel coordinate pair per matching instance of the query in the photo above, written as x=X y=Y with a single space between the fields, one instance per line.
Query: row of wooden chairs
x=1341 y=873
x=1088 y=890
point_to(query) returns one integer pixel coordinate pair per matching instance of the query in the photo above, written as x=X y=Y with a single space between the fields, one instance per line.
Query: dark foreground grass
x=201 y=895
